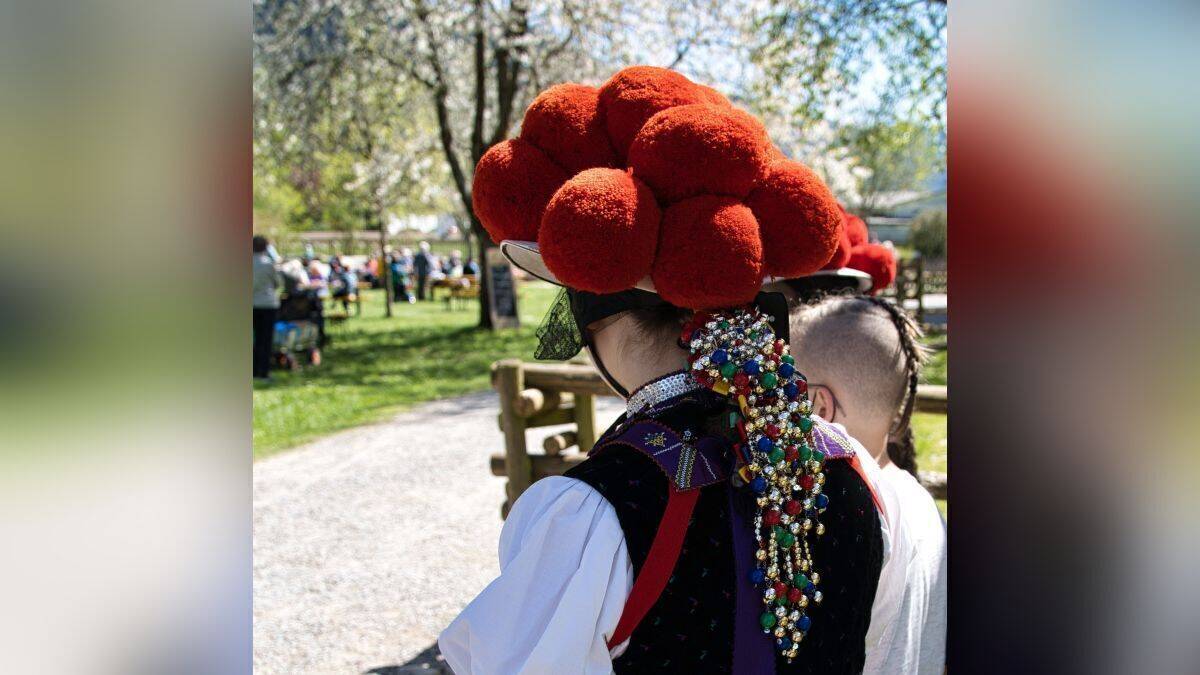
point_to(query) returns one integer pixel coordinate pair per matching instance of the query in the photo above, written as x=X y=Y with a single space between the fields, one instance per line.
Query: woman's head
x=638 y=345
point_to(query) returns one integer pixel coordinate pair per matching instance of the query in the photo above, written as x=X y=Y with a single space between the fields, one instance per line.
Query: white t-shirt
x=908 y=619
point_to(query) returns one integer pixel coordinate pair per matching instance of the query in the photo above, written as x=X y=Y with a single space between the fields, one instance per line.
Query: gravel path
x=367 y=543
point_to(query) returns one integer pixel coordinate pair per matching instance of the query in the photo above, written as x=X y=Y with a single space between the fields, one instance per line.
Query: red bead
x=741 y=379
x=790 y=453
x=806 y=482
x=780 y=589
x=792 y=507
x=779 y=346
x=771 y=517
x=802 y=386
x=771 y=431
x=794 y=595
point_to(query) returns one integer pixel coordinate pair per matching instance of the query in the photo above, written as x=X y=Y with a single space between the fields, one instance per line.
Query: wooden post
x=585 y=420
x=920 y=283
x=510 y=382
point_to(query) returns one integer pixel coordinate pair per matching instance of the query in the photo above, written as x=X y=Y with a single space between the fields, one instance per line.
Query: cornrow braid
x=901 y=447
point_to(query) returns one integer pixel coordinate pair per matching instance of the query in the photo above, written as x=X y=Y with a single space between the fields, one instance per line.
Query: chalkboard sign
x=502 y=293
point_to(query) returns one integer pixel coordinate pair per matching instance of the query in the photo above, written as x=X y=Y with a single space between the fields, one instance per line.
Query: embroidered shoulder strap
x=687 y=462
x=836 y=445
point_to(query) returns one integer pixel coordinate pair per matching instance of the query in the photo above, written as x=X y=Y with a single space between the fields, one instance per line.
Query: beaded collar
x=656 y=391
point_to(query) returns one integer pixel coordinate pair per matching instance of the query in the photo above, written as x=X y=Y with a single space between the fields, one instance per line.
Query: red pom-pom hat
x=653 y=182
x=877 y=260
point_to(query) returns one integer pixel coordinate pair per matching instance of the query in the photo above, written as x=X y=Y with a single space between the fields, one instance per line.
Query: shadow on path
x=426 y=663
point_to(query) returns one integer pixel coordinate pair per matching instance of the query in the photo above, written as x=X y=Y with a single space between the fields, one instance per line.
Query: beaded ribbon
x=735 y=353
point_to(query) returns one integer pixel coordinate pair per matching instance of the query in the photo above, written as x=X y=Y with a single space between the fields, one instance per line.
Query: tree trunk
x=483 y=243
x=385 y=272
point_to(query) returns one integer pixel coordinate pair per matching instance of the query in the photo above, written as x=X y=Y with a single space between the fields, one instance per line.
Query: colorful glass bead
x=727 y=370
x=786 y=539
x=767 y=620
x=806 y=424
x=765 y=444
x=759 y=484
x=822 y=501
x=791 y=390
x=769 y=380
x=804 y=623
x=751 y=367
x=786 y=369
x=771 y=517
x=776 y=455
x=788 y=358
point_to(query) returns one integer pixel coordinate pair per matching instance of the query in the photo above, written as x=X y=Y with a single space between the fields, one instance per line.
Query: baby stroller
x=300 y=331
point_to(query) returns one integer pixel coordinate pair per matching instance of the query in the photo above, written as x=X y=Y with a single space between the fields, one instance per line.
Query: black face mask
x=564 y=330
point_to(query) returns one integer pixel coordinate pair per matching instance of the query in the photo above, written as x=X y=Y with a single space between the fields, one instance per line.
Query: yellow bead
x=816 y=577
x=820 y=529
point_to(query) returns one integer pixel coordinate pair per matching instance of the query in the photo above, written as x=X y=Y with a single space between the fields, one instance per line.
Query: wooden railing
x=536 y=395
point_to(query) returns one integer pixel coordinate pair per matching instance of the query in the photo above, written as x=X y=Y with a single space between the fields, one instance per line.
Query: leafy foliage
x=813 y=54
x=929 y=233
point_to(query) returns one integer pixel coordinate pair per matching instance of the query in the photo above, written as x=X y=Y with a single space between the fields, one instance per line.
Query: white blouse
x=565 y=574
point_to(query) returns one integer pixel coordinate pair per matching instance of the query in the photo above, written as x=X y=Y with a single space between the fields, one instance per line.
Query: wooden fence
x=536 y=395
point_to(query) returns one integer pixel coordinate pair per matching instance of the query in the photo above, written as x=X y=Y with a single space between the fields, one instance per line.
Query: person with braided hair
x=863 y=356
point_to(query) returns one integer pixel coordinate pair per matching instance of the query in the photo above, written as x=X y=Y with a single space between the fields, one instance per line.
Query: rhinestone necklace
x=656 y=391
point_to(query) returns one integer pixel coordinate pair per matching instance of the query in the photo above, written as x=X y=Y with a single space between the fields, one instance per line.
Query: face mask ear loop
x=612 y=381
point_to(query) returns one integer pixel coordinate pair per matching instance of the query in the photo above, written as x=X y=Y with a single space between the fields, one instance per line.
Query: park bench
x=534 y=395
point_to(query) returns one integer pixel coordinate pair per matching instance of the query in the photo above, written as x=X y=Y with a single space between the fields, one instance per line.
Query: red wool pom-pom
x=633 y=95
x=600 y=231
x=709 y=254
x=564 y=122
x=856 y=228
x=513 y=183
x=691 y=150
x=876 y=260
x=841 y=255
x=798 y=218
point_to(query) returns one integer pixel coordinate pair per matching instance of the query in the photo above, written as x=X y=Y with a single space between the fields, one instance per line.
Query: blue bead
x=810 y=589
x=759 y=484
x=785 y=644
x=785 y=369
x=751 y=367
x=791 y=389
x=720 y=356
x=757 y=575
x=804 y=623
x=822 y=501
x=765 y=444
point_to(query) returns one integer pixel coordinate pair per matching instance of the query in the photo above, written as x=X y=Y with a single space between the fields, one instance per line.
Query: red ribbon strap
x=660 y=563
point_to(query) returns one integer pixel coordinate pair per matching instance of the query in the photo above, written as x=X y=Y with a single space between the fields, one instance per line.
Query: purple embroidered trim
x=831 y=441
x=687 y=463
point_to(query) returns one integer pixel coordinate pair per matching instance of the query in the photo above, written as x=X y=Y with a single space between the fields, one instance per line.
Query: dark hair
x=259 y=243
x=901 y=447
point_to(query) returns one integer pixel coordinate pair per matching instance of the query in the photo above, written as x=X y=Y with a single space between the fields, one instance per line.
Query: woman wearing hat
x=717 y=526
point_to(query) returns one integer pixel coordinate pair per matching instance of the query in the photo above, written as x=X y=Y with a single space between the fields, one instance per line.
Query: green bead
x=818 y=456
x=724 y=325
x=806 y=424
x=781 y=599
x=769 y=380
x=775 y=455
x=786 y=539
x=779 y=532
x=767 y=620
x=800 y=580
x=787 y=358
x=805 y=453
x=728 y=369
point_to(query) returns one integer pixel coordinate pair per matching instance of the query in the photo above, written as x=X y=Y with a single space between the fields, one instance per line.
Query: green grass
x=375 y=366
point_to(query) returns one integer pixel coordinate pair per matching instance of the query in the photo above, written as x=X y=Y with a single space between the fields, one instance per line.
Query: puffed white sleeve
x=565 y=574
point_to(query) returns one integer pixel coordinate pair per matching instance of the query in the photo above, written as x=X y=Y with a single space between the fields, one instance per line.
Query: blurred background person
x=402 y=269
x=267 y=282
x=423 y=266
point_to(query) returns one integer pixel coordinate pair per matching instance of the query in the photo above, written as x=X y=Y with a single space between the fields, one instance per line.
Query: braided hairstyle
x=901 y=447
